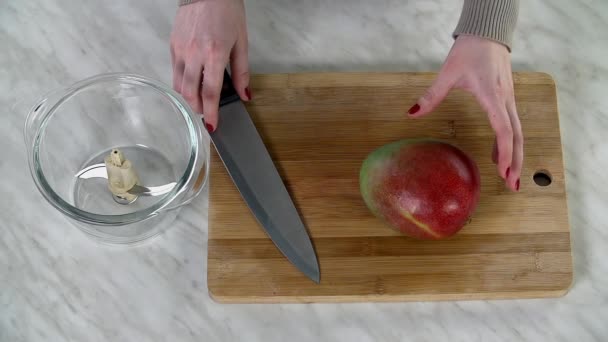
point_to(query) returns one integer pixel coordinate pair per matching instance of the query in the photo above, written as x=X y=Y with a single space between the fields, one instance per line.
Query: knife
x=251 y=168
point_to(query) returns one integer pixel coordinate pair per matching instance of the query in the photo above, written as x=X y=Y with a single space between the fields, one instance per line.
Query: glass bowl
x=71 y=133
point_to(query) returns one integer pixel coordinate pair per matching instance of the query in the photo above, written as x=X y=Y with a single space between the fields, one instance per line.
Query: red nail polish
x=248 y=93
x=415 y=108
x=209 y=128
x=517 y=185
x=508 y=170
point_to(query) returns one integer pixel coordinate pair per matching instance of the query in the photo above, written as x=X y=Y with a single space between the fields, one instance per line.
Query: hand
x=207 y=35
x=483 y=68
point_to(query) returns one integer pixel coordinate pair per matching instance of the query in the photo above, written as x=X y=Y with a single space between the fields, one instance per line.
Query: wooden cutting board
x=319 y=127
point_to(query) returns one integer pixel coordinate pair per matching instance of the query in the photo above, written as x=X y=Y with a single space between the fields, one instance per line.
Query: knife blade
x=252 y=170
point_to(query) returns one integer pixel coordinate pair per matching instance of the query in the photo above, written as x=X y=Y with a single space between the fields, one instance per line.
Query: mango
x=423 y=188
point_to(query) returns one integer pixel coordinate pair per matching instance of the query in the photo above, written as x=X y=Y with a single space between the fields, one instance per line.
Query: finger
x=433 y=96
x=191 y=84
x=178 y=74
x=214 y=76
x=495 y=152
x=501 y=124
x=172 y=50
x=518 y=147
x=239 y=66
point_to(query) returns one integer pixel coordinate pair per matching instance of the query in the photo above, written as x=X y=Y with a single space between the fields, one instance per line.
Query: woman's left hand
x=483 y=68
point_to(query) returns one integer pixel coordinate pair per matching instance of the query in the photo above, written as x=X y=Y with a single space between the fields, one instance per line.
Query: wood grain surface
x=319 y=128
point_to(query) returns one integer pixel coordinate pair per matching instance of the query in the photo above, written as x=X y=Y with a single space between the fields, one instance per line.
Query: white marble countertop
x=57 y=285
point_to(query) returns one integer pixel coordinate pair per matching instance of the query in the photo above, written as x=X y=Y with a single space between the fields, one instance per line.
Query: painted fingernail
x=248 y=93
x=415 y=108
x=517 y=185
x=209 y=128
x=508 y=170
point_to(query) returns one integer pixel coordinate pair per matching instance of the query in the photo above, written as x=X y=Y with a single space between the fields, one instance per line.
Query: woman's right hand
x=206 y=35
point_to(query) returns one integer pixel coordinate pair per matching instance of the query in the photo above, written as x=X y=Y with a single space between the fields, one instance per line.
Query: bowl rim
x=166 y=202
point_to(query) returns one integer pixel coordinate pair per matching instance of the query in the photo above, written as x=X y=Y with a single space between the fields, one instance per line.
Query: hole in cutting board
x=542 y=178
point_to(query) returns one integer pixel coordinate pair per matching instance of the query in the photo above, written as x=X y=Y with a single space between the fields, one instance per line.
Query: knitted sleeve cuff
x=492 y=19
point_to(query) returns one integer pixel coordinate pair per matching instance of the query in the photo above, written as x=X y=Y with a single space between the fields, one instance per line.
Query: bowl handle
x=198 y=180
x=199 y=184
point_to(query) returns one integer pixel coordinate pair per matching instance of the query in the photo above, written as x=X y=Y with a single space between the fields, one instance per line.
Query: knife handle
x=228 y=94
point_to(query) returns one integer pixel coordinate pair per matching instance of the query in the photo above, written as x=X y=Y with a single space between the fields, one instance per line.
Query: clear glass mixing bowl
x=70 y=131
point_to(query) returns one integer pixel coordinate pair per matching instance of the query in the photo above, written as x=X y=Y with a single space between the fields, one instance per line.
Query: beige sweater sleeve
x=491 y=19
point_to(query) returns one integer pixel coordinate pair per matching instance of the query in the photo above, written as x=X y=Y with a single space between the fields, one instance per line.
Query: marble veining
x=58 y=285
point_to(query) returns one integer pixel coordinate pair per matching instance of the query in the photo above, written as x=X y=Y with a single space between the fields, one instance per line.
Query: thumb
x=431 y=98
x=239 y=66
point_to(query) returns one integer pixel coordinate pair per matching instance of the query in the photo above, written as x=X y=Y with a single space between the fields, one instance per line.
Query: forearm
x=492 y=19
